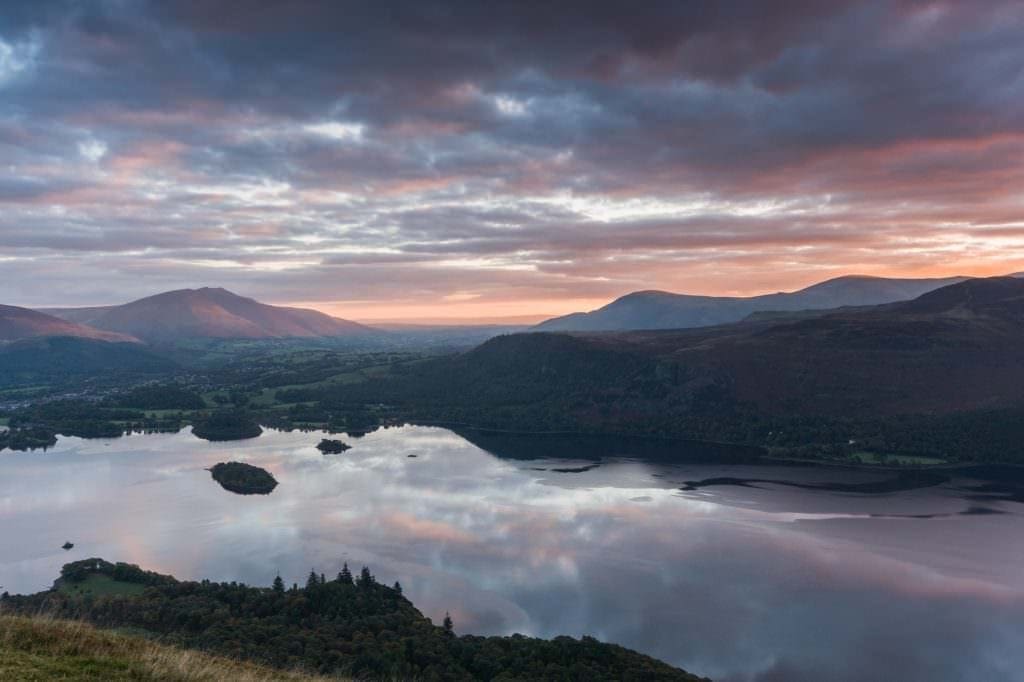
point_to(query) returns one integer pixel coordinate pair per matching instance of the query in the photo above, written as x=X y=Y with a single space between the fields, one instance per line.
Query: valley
x=826 y=429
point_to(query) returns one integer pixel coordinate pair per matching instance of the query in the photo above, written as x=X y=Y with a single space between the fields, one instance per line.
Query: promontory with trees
x=342 y=624
x=226 y=425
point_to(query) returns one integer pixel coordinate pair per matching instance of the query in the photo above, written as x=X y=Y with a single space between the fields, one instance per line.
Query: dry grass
x=43 y=648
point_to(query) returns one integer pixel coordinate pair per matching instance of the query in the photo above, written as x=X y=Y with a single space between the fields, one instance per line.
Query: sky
x=477 y=161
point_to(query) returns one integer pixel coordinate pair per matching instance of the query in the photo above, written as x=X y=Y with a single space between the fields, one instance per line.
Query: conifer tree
x=313 y=580
x=398 y=587
x=278 y=585
x=365 y=577
x=346 y=575
x=448 y=624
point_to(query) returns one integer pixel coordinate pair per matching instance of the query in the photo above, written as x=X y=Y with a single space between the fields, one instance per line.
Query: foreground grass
x=46 y=649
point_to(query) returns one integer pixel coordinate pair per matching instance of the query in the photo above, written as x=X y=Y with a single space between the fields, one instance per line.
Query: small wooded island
x=332 y=447
x=227 y=425
x=243 y=479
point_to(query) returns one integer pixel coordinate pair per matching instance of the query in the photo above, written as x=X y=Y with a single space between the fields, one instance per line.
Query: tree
x=278 y=585
x=448 y=624
x=365 y=577
x=398 y=587
x=313 y=580
x=346 y=575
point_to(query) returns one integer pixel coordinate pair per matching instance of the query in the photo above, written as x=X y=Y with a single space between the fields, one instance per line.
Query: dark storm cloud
x=524 y=140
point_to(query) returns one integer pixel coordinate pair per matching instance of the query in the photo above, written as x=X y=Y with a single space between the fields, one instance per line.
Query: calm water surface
x=768 y=582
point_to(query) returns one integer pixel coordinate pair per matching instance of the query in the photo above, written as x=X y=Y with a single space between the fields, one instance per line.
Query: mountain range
x=663 y=310
x=952 y=349
x=215 y=313
x=208 y=313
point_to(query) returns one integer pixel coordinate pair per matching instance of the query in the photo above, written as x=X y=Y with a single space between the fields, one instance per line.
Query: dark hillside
x=893 y=376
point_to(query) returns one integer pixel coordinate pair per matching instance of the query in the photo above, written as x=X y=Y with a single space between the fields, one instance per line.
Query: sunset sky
x=473 y=161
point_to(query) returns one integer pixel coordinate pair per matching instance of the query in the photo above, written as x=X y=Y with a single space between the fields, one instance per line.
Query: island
x=332 y=447
x=243 y=479
x=229 y=425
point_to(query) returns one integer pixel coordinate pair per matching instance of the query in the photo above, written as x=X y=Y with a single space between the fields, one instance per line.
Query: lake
x=767 y=573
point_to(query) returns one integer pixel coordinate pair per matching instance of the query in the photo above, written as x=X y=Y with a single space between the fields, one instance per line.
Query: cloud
x=556 y=150
x=93 y=150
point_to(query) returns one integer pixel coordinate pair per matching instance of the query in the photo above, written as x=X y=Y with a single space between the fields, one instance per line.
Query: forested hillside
x=338 y=624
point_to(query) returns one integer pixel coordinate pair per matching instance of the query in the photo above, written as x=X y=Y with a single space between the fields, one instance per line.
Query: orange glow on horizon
x=455 y=312
x=480 y=311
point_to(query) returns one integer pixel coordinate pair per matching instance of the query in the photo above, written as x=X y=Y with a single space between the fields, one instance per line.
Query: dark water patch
x=909 y=516
x=970 y=511
x=510 y=445
x=576 y=470
x=994 y=491
x=725 y=480
x=1002 y=482
x=981 y=511
x=903 y=481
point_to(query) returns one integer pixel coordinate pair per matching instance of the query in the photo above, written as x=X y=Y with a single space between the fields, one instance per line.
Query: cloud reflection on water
x=739 y=584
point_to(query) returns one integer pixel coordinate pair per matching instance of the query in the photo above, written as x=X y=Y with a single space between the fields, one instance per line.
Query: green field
x=896 y=460
x=99 y=585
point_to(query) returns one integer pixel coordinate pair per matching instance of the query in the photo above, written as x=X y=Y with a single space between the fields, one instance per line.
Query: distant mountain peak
x=210 y=312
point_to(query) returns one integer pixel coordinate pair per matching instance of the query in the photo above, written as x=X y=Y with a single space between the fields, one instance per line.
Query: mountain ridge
x=656 y=309
x=20 y=324
x=209 y=312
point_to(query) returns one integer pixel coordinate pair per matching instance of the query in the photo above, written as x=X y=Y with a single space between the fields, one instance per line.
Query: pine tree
x=278 y=585
x=346 y=575
x=448 y=624
x=313 y=580
x=365 y=577
x=398 y=587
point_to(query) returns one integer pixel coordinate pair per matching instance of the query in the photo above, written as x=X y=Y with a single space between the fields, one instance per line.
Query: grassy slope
x=46 y=649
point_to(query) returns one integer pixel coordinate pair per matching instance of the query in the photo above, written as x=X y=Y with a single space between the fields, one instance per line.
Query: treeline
x=81 y=418
x=343 y=624
x=37 y=425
